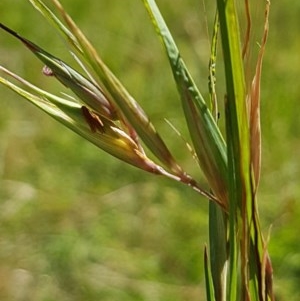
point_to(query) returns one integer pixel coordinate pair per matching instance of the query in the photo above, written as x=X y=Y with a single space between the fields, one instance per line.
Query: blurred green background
x=77 y=224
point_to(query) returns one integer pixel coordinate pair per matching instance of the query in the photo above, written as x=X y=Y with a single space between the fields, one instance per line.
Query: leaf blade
x=207 y=139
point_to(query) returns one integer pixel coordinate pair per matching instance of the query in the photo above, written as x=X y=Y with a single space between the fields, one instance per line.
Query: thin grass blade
x=218 y=250
x=212 y=69
x=207 y=139
x=255 y=128
x=262 y=279
x=210 y=295
x=51 y=17
x=238 y=154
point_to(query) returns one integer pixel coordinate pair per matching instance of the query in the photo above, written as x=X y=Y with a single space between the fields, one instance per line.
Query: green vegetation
x=80 y=225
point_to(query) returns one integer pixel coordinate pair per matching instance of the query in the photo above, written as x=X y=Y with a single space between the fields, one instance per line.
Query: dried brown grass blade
x=254 y=118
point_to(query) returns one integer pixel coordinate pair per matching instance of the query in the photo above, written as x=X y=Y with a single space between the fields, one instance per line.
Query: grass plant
x=101 y=110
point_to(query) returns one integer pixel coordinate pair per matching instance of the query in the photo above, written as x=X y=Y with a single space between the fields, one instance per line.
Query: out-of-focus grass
x=78 y=225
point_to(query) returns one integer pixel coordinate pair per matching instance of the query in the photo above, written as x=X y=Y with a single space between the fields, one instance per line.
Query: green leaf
x=212 y=69
x=218 y=250
x=237 y=134
x=207 y=139
x=210 y=295
x=51 y=17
